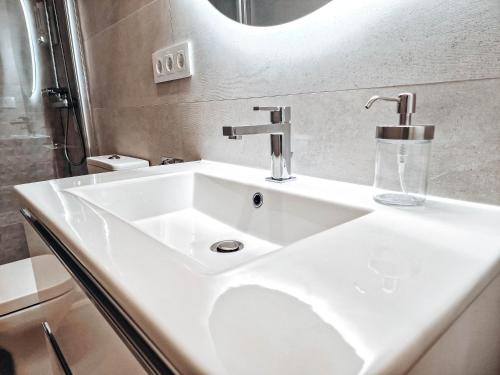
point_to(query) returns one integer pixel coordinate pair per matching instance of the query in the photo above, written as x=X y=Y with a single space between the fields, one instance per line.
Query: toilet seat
x=31 y=281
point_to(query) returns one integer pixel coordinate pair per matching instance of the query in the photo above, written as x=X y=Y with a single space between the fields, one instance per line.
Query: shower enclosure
x=44 y=130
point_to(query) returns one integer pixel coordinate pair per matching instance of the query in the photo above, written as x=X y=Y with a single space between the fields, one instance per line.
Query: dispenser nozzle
x=406 y=105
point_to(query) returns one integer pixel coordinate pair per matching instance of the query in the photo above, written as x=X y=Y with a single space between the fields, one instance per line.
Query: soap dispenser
x=402 y=156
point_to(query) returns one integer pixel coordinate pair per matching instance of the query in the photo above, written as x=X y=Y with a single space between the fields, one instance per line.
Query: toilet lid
x=31 y=281
x=116 y=162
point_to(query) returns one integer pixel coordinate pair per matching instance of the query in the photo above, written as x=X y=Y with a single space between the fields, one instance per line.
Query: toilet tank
x=109 y=163
x=95 y=164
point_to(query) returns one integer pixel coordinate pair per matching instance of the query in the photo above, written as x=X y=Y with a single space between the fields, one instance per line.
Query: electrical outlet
x=172 y=63
x=168 y=62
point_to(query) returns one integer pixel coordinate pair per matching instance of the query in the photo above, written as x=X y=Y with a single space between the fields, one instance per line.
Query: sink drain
x=226 y=246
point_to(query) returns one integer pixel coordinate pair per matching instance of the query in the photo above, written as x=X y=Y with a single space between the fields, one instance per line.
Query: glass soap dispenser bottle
x=402 y=156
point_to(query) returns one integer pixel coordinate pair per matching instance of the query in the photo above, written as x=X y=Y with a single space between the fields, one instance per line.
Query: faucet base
x=280 y=181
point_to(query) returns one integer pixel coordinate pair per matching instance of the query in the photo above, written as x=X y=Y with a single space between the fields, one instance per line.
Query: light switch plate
x=173 y=62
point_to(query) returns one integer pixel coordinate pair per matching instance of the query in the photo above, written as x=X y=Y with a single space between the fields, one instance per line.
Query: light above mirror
x=266 y=12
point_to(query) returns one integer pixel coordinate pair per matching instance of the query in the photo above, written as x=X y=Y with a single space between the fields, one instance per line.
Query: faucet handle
x=278 y=114
x=258 y=108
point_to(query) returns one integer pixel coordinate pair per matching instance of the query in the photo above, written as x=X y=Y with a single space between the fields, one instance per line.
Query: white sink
x=188 y=212
x=375 y=295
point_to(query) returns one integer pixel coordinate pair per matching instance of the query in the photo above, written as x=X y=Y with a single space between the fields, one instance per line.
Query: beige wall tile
x=345 y=45
x=119 y=58
x=325 y=66
x=97 y=15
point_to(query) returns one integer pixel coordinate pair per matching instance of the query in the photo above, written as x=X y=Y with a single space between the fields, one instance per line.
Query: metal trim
x=406 y=132
x=141 y=347
x=80 y=70
x=56 y=348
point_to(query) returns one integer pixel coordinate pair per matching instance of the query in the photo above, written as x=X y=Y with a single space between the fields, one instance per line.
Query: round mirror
x=266 y=12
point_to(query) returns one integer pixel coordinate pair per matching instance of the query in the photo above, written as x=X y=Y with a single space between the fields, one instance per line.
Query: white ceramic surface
x=31 y=281
x=368 y=296
x=123 y=162
x=188 y=212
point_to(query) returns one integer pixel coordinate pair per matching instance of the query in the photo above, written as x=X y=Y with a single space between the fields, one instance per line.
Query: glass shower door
x=40 y=123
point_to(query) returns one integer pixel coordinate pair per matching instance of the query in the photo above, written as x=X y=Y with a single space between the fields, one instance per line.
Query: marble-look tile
x=345 y=45
x=124 y=129
x=23 y=159
x=87 y=18
x=326 y=66
x=391 y=44
x=8 y=200
x=333 y=135
x=143 y=132
x=97 y=15
x=119 y=58
x=12 y=244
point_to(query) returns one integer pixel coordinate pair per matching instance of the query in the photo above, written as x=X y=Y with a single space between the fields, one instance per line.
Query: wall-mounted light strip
x=28 y=19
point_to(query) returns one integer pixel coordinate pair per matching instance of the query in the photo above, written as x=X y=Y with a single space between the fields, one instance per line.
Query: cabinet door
x=89 y=344
x=95 y=335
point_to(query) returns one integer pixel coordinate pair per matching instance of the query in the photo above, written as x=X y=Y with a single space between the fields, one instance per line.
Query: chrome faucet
x=280 y=131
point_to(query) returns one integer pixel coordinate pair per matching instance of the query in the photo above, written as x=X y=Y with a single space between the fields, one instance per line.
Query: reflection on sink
x=251 y=315
x=188 y=212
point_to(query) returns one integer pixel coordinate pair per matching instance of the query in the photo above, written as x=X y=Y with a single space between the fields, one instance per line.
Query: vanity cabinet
x=89 y=344
x=93 y=335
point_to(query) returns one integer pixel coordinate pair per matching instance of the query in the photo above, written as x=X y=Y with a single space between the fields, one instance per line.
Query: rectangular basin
x=189 y=212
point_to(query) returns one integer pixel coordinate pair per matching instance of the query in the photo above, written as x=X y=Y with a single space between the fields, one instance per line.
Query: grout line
x=171 y=20
x=308 y=93
x=121 y=20
x=340 y=90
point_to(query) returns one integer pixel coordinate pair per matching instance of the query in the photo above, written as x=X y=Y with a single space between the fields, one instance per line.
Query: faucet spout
x=234 y=131
x=280 y=132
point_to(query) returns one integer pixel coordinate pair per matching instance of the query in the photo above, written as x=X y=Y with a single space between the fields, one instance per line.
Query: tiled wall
x=26 y=129
x=22 y=160
x=325 y=66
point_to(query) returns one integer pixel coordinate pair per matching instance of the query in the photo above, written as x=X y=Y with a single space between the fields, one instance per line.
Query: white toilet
x=33 y=290
x=95 y=164
x=38 y=289
x=109 y=163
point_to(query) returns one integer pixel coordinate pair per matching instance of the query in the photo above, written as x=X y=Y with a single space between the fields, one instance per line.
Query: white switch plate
x=172 y=63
